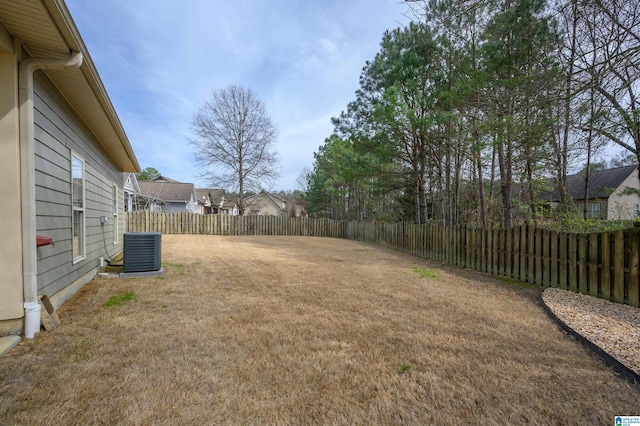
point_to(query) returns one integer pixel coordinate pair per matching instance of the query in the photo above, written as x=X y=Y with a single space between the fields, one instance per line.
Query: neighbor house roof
x=165 y=179
x=277 y=201
x=134 y=181
x=167 y=191
x=601 y=184
x=214 y=194
x=46 y=31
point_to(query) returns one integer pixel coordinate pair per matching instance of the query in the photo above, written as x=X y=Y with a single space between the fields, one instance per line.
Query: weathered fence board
x=618 y=266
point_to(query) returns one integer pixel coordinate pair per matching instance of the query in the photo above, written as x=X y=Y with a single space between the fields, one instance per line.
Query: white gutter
x=28 y=184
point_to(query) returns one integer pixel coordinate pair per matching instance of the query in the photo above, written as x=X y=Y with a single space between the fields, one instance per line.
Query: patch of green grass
x=404 y=367
x=119 y=299
x=360 y=249
x=426 y=272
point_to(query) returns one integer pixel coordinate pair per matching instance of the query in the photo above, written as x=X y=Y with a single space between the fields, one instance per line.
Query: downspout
x=28 y=184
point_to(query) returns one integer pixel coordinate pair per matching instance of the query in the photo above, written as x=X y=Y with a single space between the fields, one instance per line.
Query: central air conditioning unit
x=141 y=252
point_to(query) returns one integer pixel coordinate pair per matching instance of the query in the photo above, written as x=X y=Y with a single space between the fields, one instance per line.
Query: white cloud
x=329 y=47
x=160 y=60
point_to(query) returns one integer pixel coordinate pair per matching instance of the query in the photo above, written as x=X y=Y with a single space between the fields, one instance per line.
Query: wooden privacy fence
x=604 y=265
x=214 y=224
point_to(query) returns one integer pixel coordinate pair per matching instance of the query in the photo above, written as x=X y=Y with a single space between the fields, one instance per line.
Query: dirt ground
x=296 y=330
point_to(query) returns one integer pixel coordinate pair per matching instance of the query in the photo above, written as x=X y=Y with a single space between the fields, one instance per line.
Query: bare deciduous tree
x=609 y=64
x=234 y=141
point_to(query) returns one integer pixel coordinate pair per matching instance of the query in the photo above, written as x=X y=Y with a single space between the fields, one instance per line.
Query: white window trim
x=116 y=206
x=83 y=209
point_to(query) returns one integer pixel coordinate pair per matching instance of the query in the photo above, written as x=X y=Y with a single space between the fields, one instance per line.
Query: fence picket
x=538 y=273
x=546 y=267
x=634 y=264
x=618 y=266
x=582 y=264
x=606 y=266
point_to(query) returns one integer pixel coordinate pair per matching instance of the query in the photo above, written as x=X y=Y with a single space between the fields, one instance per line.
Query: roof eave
x=64 y=22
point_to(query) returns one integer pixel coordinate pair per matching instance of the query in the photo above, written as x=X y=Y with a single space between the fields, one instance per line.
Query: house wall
x=192 y=206
x=59 y=132
x=262 y=205
x=181 y=206
x=621 y=205
x=171 y=207
x=11 y=289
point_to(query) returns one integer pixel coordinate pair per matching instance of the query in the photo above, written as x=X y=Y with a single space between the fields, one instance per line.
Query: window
x=78 y=206
x=636 y=210
x=593 y=210
x=116 y=225
x=127 y=202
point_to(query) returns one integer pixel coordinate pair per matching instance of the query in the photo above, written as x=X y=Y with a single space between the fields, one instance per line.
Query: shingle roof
x=165 y=179
x=215 y=194
x=601 y=183
x=167 y=191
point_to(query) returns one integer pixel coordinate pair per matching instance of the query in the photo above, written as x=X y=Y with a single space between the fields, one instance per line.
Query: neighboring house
x=165 y=179
x=297 y=210
x=613 y=193
x=265 y=204
x=169 y=196
x=62 y=154
x=230 y=208
x=131 y=191
x=135 y=200
x=210 y=200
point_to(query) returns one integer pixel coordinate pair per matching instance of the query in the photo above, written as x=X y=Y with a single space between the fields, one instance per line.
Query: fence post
x=538 y=256
x=618 y=266
x=496 y=260
x=562 y=260
x=485 y=243
x=517 y=231
x=606 y=266
x=593 y=264
x=508 y=253
x=546 y=278
x=572 y=266
x=553 y=259
x=634 y=273
x=468 y=261
x=582 y=264
x=531 y=247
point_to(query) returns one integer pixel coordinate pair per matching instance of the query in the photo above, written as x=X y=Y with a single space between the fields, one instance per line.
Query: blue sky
x=159 y=61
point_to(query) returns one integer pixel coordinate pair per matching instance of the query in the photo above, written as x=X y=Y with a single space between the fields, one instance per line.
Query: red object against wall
x=43 y=241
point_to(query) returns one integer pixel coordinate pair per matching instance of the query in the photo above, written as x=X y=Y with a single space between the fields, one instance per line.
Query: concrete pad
x=8 y=342
x=141 y=274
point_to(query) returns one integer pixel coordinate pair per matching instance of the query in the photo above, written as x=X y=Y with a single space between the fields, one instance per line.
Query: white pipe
x=28 y=184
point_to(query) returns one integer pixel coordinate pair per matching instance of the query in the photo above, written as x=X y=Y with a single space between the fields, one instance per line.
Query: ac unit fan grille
x=141 y=251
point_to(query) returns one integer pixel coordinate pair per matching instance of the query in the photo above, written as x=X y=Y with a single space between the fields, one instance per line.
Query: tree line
x=474 y=107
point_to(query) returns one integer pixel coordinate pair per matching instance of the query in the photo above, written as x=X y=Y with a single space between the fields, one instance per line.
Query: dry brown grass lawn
x=278 y=330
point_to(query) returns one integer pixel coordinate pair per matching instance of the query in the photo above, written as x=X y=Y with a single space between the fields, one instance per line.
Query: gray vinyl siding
x=58 y=132
x=171 y=207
